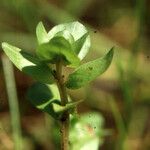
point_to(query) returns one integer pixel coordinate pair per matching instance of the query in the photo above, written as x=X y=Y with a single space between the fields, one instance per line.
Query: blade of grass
x=119 y=123
x=127 y=79
x=13 y=102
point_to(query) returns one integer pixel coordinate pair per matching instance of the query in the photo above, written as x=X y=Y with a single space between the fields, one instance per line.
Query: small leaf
x=41 y=33
x=28 y=64
x=42 y=96
x=67 y=35
x=58 y=48
x=68 y=107
x=81 y=46
x=89 y=71
x=77 y=30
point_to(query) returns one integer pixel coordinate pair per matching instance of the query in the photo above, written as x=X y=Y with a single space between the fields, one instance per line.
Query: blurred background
x=121 y=96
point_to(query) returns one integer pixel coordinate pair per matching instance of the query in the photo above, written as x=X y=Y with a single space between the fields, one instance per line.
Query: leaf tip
x=40 y=24
x=110 y=53
x=112 y=50
x=4 y=44
x=41 y=33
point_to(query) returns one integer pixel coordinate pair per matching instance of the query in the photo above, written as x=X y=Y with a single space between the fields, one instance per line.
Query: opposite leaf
x=47 y=99
x=28 y=64
x=89 y=71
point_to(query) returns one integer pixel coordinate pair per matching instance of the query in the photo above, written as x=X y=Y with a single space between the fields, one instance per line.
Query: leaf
x=81 y=46
x=89 y=71
x=70 y=106
x=67 y=35
x=42 y=35
x=28 y=64
x=77 y=30
x=42 y=96
x=58 y=48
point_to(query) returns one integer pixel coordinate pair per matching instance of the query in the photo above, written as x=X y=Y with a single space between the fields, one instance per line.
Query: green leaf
x=77 y=30
x=89 y=71
x=68 y=107
x=41 y=33
x=42 y=96
x=28 y=64
x=67 y=35
x=58 y=48
x=81 y=46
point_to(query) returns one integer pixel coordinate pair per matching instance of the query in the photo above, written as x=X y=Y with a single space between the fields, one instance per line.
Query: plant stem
x=13 y=102
x=64 y=121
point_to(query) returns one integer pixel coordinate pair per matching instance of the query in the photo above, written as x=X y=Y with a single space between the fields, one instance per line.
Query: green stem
x=64 y=121
x=13 y=102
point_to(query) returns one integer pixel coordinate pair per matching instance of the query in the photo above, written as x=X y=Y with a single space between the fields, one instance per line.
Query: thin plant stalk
x=119 y=123
x=64 y=121
x=13 y=102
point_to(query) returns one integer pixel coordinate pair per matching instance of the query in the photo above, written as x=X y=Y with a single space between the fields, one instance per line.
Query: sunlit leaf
x=41 y=34
x=89 y=71
x=28 y=64
x=68 y=107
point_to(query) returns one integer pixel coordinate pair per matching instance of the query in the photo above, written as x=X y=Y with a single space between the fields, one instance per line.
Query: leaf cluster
x=66 y=43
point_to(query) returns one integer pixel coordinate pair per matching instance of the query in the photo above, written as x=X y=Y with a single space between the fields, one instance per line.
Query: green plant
x=63 y=46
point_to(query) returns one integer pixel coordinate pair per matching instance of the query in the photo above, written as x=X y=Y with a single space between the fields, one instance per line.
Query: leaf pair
x=47 y=99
